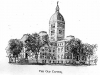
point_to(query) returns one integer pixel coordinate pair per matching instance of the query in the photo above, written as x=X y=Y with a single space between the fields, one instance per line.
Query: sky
x=18 y=17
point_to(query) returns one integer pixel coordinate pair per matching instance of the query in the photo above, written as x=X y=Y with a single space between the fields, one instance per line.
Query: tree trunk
x=15 y=59
x=26 y=56
x=9 y=59
x=89 y=59
x=37 y=57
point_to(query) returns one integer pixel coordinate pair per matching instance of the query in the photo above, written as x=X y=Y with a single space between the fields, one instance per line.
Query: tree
x=44 y=38
x=37 y=45
x=75 y=46
x=14 y=47
x=89 y=50
x=33 y=43
x=29 y=44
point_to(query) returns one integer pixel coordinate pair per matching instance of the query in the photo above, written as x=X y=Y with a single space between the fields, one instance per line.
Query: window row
x=60 y=44
x=60 y=56
x=60 y=49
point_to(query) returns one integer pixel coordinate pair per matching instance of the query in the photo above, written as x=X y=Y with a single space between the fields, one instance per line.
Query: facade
x=43 y=54
x=64 y=54
x=61 y=51
x=52 y=52
x=57 y=36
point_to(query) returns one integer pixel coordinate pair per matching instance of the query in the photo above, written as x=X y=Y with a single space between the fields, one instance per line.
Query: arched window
x=62 y=56
x=58 y=56
x=58 y=49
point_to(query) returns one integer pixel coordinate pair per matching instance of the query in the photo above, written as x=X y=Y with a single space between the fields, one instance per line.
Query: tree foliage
x=14 y=47
x=75 y=45
x=89 y=49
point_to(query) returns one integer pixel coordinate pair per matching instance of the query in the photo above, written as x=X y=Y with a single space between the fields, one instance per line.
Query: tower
x=56 y=26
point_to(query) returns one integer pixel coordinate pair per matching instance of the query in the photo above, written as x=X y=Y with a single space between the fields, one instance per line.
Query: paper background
x=18 y=17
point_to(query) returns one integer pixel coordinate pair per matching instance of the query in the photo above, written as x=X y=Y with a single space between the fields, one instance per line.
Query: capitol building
x=57 y=51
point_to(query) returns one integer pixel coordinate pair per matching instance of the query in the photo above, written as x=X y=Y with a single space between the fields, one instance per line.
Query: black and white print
x=53 y=48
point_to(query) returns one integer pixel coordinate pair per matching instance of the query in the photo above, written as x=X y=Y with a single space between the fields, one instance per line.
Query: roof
x=56 y=16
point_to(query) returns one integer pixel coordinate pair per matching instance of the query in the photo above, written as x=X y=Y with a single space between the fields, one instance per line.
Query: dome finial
x=57 y=8
x=57 y=2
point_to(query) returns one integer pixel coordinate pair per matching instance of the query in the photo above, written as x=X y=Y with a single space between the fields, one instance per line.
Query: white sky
x=18 y=17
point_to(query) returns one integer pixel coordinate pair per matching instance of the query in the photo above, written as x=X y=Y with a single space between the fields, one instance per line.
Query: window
x=53 y=50
x=45 y=61
x=63 y=26
x=48 y=57
x=77 y=57
x=42 y=61
x=43 y=56
x=58 y=61
x=58 y=56
x=50 y=61
x=61 y=61
x=52 y=32
x=83 y=58
x=49 y=50
x=52 y=26
x=51 y=57
x=62 y=44
x=58 y=49
x=58 y=44
x=42 y=49
x=54 y=58
x=60 y=31
x=52 y=38
x=61 y=49
x=40 y=56
x=62 y=56
x=67 y=57
x=43 y=53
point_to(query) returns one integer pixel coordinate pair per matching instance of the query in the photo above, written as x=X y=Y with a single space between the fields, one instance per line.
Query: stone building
x=43 y=54
x=56 y=33
x=54 y=47
x=64 y=54
x=61 y=51
x=52 y=53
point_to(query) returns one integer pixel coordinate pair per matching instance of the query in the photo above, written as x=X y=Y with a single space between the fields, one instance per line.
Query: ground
x=13 y=69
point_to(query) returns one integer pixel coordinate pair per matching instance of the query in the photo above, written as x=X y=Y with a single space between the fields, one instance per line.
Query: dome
x=42 y=33
x=56 y=16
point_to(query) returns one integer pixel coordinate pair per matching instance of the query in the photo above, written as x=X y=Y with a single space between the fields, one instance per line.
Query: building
x=52 y=53
x=44 y=54
x=56 y=50
x=64 y=55
x=56 y=34
x=61 y=45
x=56 y=26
